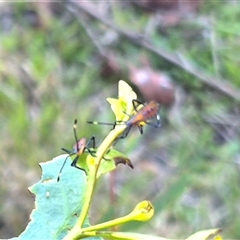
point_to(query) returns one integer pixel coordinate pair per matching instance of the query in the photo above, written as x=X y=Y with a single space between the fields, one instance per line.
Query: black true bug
x=79 y=148
x=143 y=115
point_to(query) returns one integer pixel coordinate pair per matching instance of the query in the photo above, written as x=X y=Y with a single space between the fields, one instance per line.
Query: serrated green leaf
x=57 y=204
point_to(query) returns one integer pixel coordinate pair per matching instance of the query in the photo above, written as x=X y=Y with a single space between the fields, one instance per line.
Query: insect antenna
x=70 y=153
x=101 y=123
x=75 y=133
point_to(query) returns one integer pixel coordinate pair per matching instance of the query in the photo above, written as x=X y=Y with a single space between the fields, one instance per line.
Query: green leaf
x=111 y=159
x=57 y=204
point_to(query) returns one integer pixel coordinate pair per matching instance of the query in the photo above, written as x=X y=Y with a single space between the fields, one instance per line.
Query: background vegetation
x=59 y=61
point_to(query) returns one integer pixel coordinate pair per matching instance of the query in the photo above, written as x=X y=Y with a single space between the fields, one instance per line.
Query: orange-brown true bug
x=142 y=116
x=79 y=148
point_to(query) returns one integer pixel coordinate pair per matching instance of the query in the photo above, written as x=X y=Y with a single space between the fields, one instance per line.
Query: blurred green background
x=60 y=61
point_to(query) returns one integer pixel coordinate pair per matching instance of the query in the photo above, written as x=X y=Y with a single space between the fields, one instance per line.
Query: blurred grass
x=51 y=72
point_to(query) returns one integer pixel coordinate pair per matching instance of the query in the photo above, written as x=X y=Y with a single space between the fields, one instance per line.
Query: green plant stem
x=92 y=179
x=122 y=235
x=142 y=212
x=111 y=223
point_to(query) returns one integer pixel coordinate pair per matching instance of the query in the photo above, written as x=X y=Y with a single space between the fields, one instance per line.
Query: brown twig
x=221 y=85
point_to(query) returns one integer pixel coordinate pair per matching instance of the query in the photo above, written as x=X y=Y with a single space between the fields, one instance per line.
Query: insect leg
x=66 y=150
x=140 y=127
x=156 y=124
x=74 y=164
x=58 y=178
x=126 y=132
x=135 y=102
x=91 y=140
